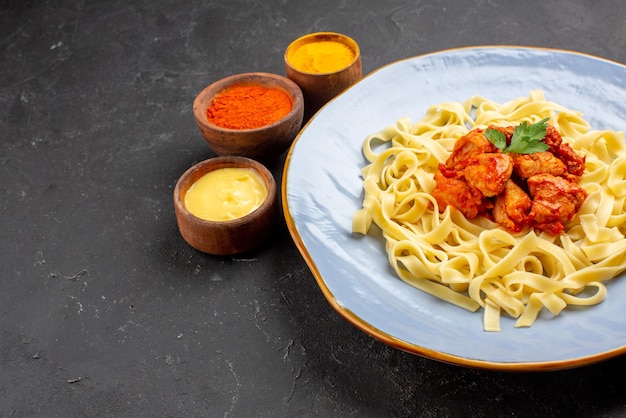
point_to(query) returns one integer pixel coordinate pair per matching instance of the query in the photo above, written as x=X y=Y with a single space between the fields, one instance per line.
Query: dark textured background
x=104 y=309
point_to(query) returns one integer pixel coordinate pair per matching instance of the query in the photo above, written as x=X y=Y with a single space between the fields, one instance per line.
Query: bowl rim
x=227 y=161
x=311 y=37
x=250 y=78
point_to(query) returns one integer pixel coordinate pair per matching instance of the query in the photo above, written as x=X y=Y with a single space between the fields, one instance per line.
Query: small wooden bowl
x=319 y=88
x=233 y=236
x=265 y=143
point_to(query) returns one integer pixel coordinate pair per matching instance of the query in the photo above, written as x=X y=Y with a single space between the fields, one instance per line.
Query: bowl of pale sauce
x=226 y=205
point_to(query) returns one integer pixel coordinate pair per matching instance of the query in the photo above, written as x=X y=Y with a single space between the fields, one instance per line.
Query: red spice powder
x=248 y=107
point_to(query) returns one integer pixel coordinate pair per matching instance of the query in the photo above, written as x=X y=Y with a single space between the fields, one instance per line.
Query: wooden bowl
x=232 y=236
x=265 y=143
x=319 y=88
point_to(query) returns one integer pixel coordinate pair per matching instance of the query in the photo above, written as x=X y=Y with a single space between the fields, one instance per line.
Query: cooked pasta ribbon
x=473 y=263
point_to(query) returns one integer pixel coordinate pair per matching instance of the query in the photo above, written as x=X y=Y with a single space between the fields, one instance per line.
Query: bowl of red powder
x=255 y=115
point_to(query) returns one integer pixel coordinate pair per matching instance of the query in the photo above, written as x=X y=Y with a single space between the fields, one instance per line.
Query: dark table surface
x=105 y=311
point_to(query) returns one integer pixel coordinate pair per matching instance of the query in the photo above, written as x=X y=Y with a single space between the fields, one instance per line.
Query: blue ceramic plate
x=322 y=189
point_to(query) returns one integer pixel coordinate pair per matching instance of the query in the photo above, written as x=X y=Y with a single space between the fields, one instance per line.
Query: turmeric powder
x=321 y=57
x=248 y=107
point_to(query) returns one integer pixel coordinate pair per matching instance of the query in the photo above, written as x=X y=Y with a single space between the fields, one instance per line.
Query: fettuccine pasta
x=474 y=263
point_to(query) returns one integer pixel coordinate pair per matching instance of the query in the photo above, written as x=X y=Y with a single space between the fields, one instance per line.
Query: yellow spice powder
x=321 y=57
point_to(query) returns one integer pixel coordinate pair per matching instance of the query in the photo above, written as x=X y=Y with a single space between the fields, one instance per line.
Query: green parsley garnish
x=526 y=139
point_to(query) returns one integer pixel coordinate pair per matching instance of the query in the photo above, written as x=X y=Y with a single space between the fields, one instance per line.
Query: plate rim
x=390 y=340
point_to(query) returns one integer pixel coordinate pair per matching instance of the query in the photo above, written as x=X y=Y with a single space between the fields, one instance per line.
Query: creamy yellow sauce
x=226 y=194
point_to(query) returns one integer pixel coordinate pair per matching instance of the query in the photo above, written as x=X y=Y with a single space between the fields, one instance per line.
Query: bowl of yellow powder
x=322 y=64
x=226 y=205
x=255 y=115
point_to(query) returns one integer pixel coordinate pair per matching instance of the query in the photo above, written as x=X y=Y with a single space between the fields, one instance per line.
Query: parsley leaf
x=526 y=139
x=496 y=137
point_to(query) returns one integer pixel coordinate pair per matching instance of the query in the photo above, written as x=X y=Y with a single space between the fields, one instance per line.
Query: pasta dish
x=474 y=249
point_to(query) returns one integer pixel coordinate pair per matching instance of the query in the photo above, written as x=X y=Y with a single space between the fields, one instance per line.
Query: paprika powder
x=247 y=106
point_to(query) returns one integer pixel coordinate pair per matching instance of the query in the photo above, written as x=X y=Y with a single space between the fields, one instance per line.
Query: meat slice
x=468 y=146
x=512 y=207
x=574 y=162
x=555 y=201
x=456 y=192
x=489 y=172
x=527 y=165
x=553 y=138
